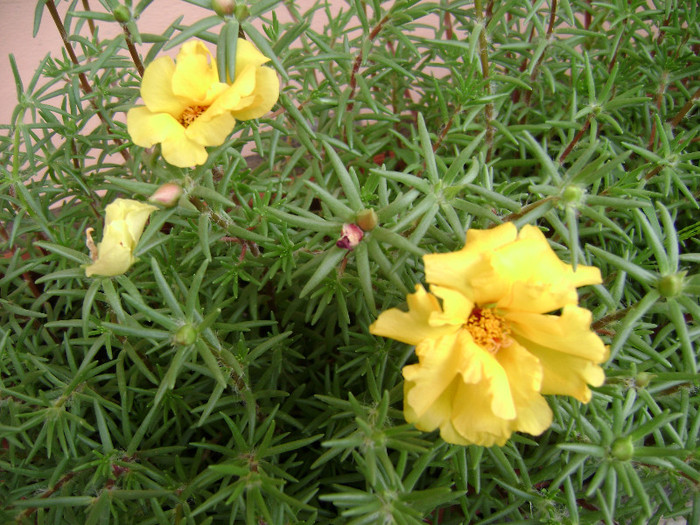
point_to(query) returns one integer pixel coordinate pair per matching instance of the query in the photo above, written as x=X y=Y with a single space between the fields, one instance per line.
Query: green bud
x=223 y=7
x=185 y=335
x=242 y=12
x=642 y=379
x=367 y=219
x=671 y=285
x=622 y=449
x=121 y=14
x=572 y=195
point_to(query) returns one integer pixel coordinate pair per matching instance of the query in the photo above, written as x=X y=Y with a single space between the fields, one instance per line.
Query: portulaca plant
x=215 y=240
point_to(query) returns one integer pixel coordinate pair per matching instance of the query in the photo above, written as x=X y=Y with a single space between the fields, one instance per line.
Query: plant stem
x=484 y=59
x=132 y=50
x=358 y=61
x=91 y=22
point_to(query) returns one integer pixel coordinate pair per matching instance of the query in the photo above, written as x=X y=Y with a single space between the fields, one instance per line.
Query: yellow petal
x=540 y=281
x=267 y=90
x=569 y=332
x=196 y=78
x=525 y=379
x=181 y=151
x=457 y=269
x=114 y=255
x=248 y=55
x=413 y=326
x=584 y=275
x=147 y=128
x=439 y=361
x=565 y=374
x=235 y=96
x=211 y=131
x=156 y=88
x=133 y=213
x=455 y=308
x=473 y=418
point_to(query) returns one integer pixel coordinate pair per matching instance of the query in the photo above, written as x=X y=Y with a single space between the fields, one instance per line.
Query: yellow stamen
x=190 y=114
x=489 y=330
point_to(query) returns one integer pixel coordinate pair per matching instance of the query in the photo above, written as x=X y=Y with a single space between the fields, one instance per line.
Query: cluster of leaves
x=229 y=376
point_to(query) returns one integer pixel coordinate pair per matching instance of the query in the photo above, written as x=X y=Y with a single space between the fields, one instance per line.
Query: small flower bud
x=671 y=285
x=642 y=379
x=185 y=335
x=352 y=235
x=242 y=12
x=572 y=195
x=223 y=7
x=622 y=449
x=121 y=14
x=167 y=194
x=367 y=219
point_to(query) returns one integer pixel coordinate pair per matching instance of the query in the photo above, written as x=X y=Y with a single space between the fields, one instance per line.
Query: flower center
x=489 y=330
x=190 y=114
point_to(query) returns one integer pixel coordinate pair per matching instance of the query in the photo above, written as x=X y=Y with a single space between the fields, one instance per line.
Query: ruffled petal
x=147 y=128
x=211 y=131
x=539 y=281
x=413 y=326
x=267 y=90
x=565 y=374
x=569 y=332
x=438 y=363
x=196 y=78
x=458 y=269
x=439 y=415
x=474 y=419
x=525 y=376
x=455 y=308
x=156 y=88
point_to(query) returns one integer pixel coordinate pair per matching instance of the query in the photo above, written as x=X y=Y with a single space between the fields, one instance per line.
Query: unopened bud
x=351 y=236
x=242 y=12
x=572 y=195
x=223 y=7
x=367 y=219
x=642 y=379
x=622 y=449
x=185 y=335
x=671 y=285
x=122 y=14
x=167 y=194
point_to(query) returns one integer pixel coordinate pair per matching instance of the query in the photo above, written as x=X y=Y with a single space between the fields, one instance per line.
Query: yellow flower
x=487 y=346
x=124 y=223
x=187 y=108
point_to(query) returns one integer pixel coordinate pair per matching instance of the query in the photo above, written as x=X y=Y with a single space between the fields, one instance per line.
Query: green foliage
x=229 y=376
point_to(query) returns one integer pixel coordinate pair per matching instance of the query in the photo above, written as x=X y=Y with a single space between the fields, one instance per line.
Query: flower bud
x=352 y=235
x=223 y=7
x=121 y=14
x=185 y=335
x=572 y=195
x=642 y=379
x=167 y=194
x=622 y=449
x=242 y=12
x=367 y=219
x=671 y=285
